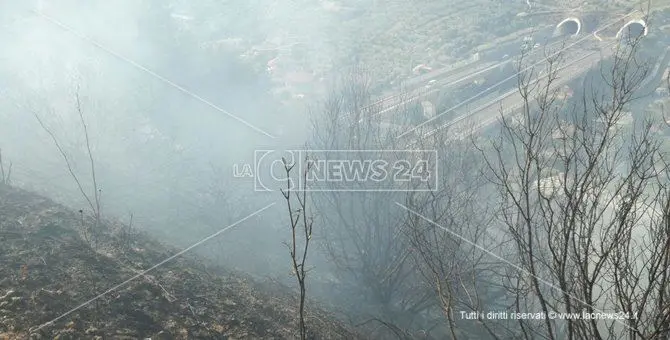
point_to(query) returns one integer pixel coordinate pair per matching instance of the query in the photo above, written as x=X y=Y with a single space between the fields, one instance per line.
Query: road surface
x=458 y=77
x=487 y=113
x=451 y=80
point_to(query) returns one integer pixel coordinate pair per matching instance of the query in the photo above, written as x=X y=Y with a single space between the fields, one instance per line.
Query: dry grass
x=46 y=269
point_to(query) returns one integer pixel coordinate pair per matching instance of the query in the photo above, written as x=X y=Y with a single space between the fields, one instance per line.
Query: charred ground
x=48 y=268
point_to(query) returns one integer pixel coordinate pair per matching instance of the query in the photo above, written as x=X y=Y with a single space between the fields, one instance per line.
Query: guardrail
x=457 y=134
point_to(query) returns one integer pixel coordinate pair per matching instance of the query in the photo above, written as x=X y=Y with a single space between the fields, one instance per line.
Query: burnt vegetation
x=563 y=210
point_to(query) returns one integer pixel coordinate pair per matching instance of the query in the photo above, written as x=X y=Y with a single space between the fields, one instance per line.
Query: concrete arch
x=645 y=29
x=568 y=21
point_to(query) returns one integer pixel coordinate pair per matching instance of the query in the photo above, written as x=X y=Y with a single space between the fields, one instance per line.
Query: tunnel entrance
x=568 y=27
x=632 y=31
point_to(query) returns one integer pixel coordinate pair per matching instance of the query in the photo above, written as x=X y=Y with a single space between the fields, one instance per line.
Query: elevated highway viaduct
x=487 y=112
x=578 y=62
x=432 y=86
x=573 y=31
x=573 y=25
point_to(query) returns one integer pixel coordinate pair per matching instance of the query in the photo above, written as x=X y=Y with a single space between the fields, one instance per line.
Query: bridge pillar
x=429 y=110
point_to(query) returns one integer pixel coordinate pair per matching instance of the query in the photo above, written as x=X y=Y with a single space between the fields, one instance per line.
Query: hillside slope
x=47 y=269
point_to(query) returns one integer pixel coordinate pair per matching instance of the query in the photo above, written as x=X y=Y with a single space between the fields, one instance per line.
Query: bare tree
x=364 y=240
x=94 y=202
x=300 y=222
x=584 y=202
x=663 y=109
x=448 y=224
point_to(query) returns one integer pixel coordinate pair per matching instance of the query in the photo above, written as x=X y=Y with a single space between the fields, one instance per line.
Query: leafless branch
x=94 y=204
x=299 y=217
